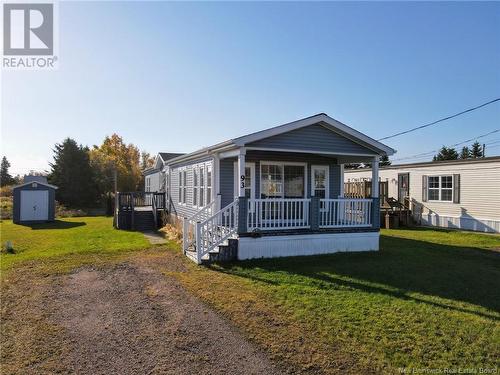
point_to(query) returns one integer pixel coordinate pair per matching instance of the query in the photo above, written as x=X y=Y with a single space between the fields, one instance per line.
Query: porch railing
x=274 y=214
x=130 y=200
x=212 y=232
x=338 y=213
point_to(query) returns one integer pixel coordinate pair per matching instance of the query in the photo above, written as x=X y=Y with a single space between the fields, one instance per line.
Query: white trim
x=334 y=124
x=306 y=244
x=440 y=189
x=229 y=154
x=250 y=165
x=309 y=151
x=327 y=179
x=39 y=183
x=341 y=195
x=283 y=163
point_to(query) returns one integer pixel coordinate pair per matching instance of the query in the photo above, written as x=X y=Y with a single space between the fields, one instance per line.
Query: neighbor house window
x=440 y=188
x=148 y=184
x=279 y=180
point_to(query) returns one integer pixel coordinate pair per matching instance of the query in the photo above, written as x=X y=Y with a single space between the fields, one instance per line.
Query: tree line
x=449 y=153
x=85 y=176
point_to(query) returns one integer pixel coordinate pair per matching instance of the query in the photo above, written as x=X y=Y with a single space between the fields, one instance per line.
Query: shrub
x=63 y=211
x=6 y=207
x=6 y=191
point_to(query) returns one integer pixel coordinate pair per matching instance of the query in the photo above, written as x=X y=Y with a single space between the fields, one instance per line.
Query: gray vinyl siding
x=182 y=210
x=227 y=171
x=315 y=138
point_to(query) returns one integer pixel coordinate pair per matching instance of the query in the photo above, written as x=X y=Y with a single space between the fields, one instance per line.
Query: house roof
x=320 y=118
x=163 y=157
x=432 y=163
x=169 y=155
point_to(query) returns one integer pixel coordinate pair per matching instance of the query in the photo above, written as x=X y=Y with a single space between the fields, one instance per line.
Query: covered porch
x=299 y=191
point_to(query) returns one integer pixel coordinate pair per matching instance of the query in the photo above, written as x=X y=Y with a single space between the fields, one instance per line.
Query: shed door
x=34 y=205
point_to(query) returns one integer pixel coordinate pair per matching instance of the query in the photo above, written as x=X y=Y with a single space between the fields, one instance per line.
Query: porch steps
x=144 y=221
x=225 y=252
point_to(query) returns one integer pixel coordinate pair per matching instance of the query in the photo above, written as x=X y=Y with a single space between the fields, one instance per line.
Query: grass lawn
x=79 y=236
x=427 y=299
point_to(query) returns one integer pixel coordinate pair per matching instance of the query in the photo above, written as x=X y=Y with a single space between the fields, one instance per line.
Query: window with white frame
x=196 y=187
x=182 y=186
x=147 y=186
x=320 y=181
x=440 y=188
x=282 y=180
x=202 y=185
x=209 y=184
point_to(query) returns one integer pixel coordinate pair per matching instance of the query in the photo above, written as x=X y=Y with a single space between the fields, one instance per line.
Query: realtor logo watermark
x=29 y=36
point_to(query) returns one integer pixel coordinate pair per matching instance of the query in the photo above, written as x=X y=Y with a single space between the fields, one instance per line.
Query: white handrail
x=276 y=214
x=189 y=224
x=341 y=213
x=215 y=230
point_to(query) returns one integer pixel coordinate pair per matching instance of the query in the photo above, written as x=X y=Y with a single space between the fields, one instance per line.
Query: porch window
x=279 y=180
x=440 y=188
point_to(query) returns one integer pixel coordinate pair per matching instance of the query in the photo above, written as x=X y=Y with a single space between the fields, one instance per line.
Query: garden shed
x=34 y=200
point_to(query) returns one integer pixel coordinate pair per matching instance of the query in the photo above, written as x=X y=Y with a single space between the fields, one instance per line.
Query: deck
x=139 y=210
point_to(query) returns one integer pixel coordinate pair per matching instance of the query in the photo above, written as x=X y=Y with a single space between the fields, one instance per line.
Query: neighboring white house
x=461 y=194
x=154 y=177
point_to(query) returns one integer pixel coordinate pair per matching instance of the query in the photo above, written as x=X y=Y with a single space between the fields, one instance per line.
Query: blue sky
x=174 y=77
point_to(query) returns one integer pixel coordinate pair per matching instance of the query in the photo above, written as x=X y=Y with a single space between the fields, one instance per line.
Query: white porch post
x=341 y=195
x=375 y=192
x=216 y=181
x=241 y=172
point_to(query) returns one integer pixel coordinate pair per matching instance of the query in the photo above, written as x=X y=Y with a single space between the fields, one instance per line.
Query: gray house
x=277 y=192
x=154 y=177
x=34 y=201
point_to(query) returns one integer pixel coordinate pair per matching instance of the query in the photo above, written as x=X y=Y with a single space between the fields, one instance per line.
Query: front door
x=249 y=180
x=403 y=186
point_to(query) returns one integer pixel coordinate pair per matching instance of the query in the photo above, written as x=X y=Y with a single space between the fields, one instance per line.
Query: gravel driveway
x=131 y=319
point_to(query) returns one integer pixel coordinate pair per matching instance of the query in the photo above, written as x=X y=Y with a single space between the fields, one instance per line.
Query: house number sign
x=242 y=178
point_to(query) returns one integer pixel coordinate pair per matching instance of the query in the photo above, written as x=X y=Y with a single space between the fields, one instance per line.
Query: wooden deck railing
x=129 y=200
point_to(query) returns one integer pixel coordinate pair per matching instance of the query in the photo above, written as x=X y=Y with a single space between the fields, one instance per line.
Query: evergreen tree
x=465 y=153
x=72 y=173
x=476 y=150
x=384 y=161
x=446 y=153
x=5 y=176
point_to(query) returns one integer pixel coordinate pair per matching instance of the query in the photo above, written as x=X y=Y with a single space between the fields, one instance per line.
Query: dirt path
x=129 y=318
